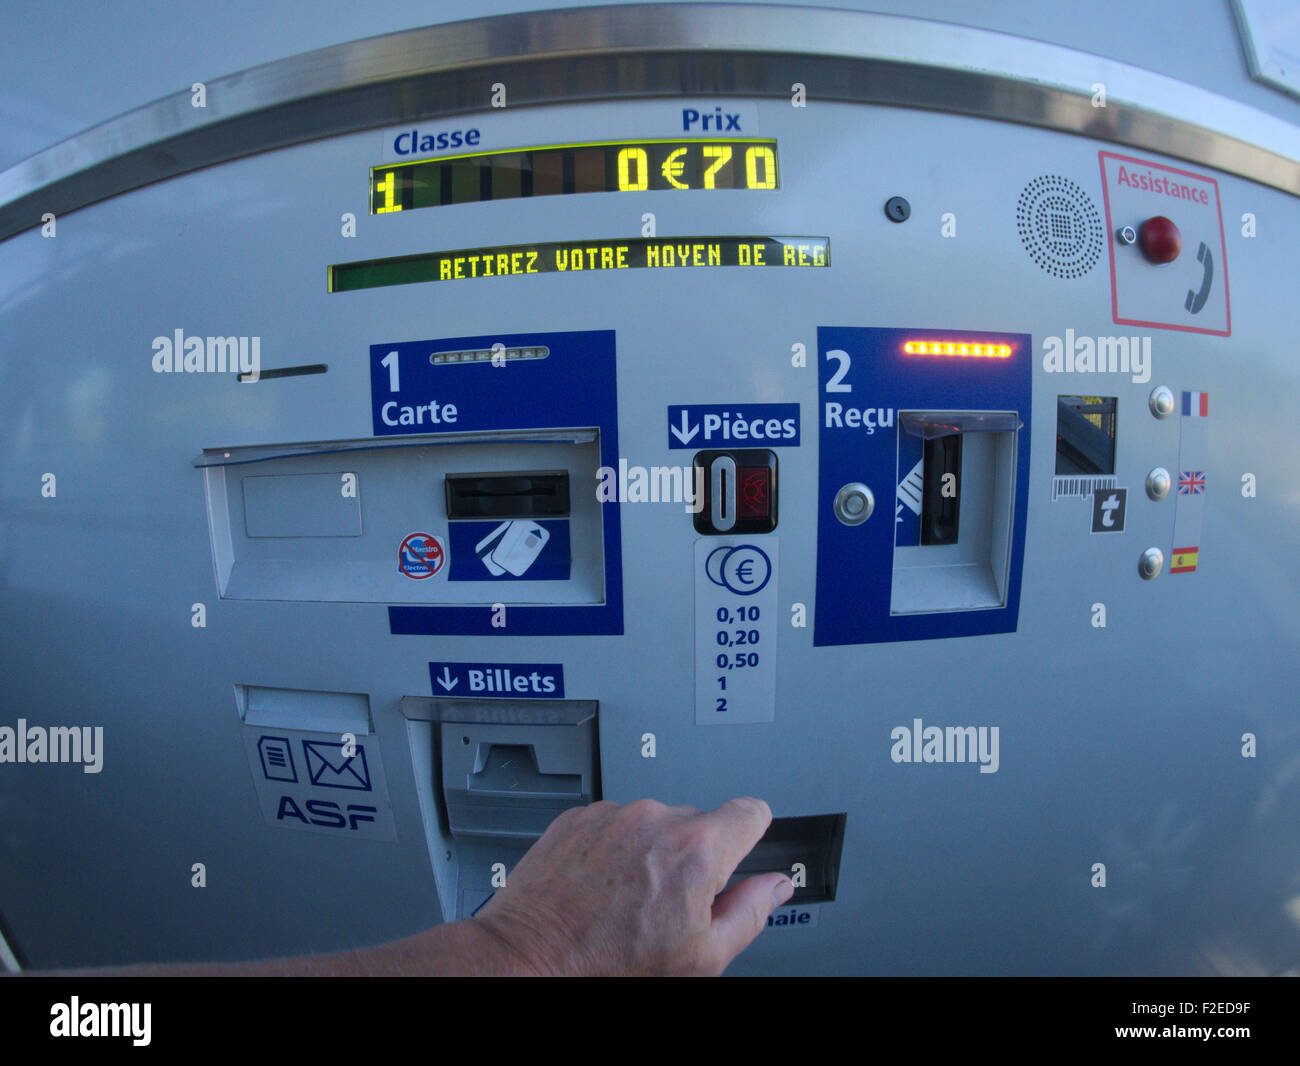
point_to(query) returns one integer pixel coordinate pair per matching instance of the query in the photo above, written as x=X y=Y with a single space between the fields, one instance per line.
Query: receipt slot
x=966 y=479
x=935 y=423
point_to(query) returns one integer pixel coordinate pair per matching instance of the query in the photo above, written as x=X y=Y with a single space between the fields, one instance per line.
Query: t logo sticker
x=1108 y=510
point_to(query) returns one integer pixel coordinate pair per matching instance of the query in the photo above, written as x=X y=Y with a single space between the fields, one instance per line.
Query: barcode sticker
x=1079 y=487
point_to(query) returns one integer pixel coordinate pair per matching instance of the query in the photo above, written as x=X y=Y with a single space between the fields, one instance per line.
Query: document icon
x=277 y=759
x=328 y=767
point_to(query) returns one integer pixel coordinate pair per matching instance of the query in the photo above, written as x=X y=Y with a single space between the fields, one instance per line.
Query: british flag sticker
x=1193 y=458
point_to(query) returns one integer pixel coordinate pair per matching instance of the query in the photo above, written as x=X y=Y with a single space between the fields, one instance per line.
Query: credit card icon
x=512 y=547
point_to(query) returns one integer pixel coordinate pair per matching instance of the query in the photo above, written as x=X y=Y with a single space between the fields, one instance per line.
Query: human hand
x=634 y=890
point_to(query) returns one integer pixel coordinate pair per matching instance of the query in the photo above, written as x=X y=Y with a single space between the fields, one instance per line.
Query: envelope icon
x=328 y=767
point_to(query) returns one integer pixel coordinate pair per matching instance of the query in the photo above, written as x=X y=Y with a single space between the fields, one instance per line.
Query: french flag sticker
x=1196 y=404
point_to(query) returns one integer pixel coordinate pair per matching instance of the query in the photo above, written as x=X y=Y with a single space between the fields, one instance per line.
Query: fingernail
x=782 y=891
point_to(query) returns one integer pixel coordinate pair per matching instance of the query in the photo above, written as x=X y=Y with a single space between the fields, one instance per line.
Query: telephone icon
x=1196 y=300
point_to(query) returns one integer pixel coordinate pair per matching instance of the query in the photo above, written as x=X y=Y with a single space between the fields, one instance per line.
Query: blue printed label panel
x=515 y=550
x=522 y=382
x=740 y=425
x=885 y=395
x=453 y=386
x=530 y=681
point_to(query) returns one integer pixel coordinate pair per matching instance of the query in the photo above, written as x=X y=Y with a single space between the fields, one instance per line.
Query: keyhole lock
x=897 y=209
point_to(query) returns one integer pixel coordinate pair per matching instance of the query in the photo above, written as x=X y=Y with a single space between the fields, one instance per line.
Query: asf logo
x=326 y=813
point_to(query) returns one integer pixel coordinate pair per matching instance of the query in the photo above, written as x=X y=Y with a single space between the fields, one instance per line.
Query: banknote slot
x=508 y=771
x=511 y=770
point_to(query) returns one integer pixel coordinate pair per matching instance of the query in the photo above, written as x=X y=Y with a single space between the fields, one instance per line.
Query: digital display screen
x=556 y=170
x=574 y=257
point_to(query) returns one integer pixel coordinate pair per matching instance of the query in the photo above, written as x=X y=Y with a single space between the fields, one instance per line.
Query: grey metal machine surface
x=350 y=425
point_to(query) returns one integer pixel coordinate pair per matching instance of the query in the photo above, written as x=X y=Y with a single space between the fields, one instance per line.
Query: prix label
x=735 y=630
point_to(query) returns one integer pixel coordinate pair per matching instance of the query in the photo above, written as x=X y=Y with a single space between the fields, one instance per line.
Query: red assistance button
x=1160 y=239
x=755 y=492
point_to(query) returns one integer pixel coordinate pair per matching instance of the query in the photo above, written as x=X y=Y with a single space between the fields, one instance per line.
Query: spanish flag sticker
x=1184 y=560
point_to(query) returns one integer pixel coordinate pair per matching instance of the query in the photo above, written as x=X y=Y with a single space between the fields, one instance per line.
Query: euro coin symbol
x=746 y=569
x=673 y=169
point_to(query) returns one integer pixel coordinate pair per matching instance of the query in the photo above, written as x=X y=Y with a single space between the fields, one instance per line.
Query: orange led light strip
x=958 y=348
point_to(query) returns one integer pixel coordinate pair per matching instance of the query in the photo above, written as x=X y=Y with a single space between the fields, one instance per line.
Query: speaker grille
x=1059 y=226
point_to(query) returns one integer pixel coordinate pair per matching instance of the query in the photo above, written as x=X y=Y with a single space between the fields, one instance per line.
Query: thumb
x=740 y=913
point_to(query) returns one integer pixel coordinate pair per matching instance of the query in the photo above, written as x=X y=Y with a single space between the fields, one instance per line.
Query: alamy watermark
x=1098 y=355
x=76 y=743
x=75 y=1018
x=179 y=354
x=949 y=744
x=655 y=484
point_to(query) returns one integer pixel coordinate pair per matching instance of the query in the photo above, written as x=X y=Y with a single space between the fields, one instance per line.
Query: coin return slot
x=813 y=842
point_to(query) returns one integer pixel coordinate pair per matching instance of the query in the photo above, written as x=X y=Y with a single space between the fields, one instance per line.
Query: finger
x=740 y=913
x=589 y=817
x=735 y=828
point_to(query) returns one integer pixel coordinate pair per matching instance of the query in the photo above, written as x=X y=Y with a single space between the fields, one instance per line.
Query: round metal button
x=854 y=504
x=1151 y=563
x=1161 y=401
x=1159 y=483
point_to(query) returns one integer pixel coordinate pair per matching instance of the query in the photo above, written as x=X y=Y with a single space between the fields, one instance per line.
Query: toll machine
x=432 y=433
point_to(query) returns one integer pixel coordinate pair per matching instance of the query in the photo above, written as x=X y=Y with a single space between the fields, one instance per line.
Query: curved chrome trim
x=650 y=50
